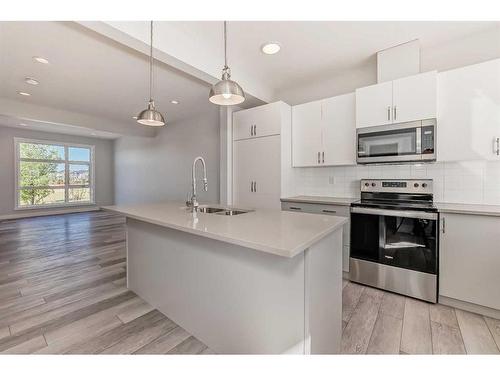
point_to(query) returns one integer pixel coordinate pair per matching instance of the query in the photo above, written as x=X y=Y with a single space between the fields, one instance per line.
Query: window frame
x=66 y=162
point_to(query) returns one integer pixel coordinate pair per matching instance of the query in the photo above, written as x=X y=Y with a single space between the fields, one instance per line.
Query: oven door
x=390 y=143
x=406 y=239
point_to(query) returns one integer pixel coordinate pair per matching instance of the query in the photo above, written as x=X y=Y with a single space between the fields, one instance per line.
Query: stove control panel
x=423 y=186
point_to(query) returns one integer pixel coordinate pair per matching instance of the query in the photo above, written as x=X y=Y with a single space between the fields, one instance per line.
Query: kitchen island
x=260 y=282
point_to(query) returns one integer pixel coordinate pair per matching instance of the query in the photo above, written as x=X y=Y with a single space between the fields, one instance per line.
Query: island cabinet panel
x=469 y=113
x=238 y=300
x=470 y=259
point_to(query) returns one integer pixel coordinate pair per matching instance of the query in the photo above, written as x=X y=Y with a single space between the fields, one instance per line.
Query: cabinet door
x=306 y=134
x=414 y=97
x=257 y=122
x=468 y=113
x=339 y=130
x=470 y=260
x=257 y=161
x=374 y=105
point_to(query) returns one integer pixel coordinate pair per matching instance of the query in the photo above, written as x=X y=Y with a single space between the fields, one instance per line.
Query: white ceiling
x=90 y=74
x=93 y=74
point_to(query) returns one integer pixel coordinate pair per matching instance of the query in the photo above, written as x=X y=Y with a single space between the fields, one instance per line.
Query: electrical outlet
x=331 y=180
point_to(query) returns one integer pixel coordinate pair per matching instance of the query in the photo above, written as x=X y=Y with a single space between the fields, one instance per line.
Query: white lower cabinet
x=257 y=172
x=470 y=259
x=327 y=209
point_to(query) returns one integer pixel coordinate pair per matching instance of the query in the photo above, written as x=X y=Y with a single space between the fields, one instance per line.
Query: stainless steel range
x=394 y=237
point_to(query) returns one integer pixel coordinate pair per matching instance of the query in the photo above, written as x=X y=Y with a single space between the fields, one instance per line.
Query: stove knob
x=367 y=184
x=424 y=185
x=415 y=184
x=374 y=184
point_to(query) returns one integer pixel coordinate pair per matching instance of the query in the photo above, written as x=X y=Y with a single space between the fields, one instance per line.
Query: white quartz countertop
x=470 y=209
x=276 y=232
x=320 y=200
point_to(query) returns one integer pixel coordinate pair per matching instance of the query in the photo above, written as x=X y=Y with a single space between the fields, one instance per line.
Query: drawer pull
x=295 y=208
x=330 y=211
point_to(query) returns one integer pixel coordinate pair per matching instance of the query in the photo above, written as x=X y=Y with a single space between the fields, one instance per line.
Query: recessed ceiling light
x=31 y=81
x=93 y=133
x=174 y=102
x=270 y=48
x=134 y=117
x=41 y=60
x=23 y=124
x=24 y=93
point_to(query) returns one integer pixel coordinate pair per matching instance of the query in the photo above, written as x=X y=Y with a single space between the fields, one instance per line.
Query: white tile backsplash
x=475 y=182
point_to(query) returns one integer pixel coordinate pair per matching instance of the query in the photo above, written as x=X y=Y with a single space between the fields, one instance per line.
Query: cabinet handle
x=295 y=208
x=251 y=186
x=255 y=130
x=323 y=157
x=395 y=113
x=330 y=211
x=389 y=113
x=251 y=130
x=318 y=157
x=255 y=186
x=497 y=140
x=444 y=226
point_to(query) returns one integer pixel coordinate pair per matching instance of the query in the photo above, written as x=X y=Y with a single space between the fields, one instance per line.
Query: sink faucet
x=193 y=203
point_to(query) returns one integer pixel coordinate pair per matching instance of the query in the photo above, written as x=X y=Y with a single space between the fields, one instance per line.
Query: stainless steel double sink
x=221 y=210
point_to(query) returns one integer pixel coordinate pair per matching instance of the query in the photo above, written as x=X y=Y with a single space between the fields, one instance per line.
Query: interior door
x=306 y=134
x=374 y=105
x=415 y=97
x=339 y=130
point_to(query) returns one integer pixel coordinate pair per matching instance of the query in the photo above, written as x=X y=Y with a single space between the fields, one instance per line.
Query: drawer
x=323 y=209
x=313 y=208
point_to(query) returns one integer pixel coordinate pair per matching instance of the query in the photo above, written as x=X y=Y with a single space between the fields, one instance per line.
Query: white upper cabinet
x=339 y=130
x=306 y=134
x=324 y=132
x=257 y=122
x=374 y=105
x=414 y=98
x=469 y=113
x=406 y=99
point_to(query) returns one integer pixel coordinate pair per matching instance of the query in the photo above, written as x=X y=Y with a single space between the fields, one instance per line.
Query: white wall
x=473 y=49
x=104 y=182
x=159 y=169
x=475 y=182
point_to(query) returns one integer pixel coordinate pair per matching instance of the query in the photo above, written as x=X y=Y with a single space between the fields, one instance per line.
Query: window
x=53 y=174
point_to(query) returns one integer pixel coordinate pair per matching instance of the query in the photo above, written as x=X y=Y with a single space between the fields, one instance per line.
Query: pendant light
x=151 y=116
x=226 y=92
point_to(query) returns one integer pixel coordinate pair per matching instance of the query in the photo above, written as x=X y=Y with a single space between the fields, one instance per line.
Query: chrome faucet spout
x=194 y=202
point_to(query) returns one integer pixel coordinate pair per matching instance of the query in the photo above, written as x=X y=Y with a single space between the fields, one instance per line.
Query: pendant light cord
x=225 y=46
x=151 y=64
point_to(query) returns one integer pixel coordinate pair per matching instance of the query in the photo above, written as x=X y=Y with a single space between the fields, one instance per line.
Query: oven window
x=388 y=143
x=365 y=236
x=409 y=243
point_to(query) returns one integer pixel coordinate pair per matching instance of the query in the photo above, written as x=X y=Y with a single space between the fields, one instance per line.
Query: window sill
x=49 y=206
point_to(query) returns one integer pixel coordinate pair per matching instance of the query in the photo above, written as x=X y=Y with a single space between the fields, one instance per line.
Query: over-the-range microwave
x=396 y=143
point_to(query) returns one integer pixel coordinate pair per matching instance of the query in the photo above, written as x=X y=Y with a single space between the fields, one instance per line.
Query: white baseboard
x=471 y=307
x=70 y=210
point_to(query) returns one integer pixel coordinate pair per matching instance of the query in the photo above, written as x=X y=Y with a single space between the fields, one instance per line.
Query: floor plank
x=446 y=339
x=165 y=343
x=189 y=346
x=356 y=335
x=393 y=305
x=350 y=298
x=416 y=335
x=386 y=335
x=443 y=314
x=494 y=326
x=476 y=334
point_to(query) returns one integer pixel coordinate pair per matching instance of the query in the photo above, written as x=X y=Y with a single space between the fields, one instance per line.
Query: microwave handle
x=418 y=140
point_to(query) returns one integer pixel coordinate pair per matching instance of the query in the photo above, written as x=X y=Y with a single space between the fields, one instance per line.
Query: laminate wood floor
x=63 y=290
x=378 y=322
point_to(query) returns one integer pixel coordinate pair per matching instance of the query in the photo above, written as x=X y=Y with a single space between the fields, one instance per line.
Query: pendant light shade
x=226 y=91
x=150 y=116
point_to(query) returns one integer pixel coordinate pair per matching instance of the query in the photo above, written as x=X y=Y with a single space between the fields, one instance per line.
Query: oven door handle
x=398 y=213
